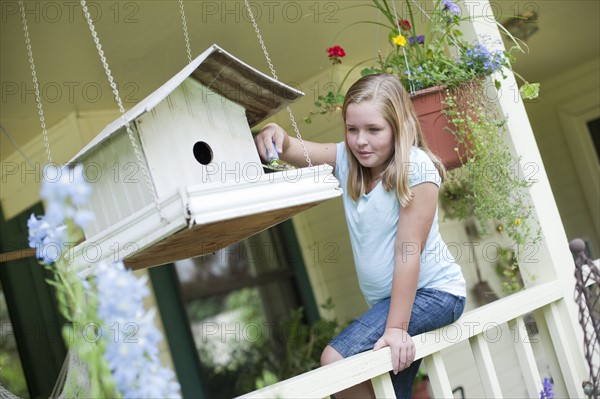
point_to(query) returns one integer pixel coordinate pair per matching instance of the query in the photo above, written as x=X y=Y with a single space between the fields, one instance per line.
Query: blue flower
x=132 y=344
x=82 y=218
x=131 y=339
x=62 y=184
x=79 y=189
x=451 y=7
x=38 y=229
x=48 y=240
x=64 y=189
x=420 y=40
x=482 y=61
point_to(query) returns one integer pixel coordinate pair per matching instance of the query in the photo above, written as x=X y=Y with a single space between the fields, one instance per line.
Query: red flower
x=336 y=52
x=404 y=24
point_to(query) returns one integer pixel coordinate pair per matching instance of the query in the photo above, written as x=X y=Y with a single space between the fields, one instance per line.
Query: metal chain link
x=115 y=91
x=272 y=68
x=36 y=84
x=185 y=31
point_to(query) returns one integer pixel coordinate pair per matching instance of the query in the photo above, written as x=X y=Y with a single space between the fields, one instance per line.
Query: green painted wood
x=177 y=330
x=296 y=262
x=32 y=309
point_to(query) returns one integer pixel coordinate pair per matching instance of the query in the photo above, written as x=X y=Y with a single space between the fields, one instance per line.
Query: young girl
x=390 y=181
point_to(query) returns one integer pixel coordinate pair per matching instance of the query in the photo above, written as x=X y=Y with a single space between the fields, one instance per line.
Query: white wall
x=571 y=188
x=21 y=177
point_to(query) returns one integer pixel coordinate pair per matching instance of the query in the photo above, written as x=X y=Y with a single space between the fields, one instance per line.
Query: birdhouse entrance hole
x=203 y=153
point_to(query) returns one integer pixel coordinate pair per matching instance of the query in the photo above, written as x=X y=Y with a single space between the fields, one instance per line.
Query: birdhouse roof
x=221 y=72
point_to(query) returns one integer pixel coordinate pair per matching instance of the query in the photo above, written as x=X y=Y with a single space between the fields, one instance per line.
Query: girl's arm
x=413 y=228
x=289 y=148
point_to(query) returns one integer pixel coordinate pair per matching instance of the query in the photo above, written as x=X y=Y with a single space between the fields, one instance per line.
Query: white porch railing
x=545 y=300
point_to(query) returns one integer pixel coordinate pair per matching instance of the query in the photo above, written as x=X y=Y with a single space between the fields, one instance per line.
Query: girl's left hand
x=401 y=345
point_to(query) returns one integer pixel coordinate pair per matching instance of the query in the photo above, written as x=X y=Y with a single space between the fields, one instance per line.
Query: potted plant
x=447 y=76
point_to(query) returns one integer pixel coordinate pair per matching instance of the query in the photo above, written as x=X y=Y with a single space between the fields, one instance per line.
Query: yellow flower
x=399 y=40
x=518 y=221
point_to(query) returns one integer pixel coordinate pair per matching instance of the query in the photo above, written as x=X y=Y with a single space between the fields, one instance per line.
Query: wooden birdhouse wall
x=193 y=116
x=190 y=116
x=118 y=182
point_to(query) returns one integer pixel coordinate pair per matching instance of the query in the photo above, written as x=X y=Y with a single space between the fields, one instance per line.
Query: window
x=594 y=128
x=236 y=301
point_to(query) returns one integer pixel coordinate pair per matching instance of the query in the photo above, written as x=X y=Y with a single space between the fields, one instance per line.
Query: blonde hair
x=393 y=102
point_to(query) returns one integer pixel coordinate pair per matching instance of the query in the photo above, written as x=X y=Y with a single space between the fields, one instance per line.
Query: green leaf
x=368 y=71
x=530 y=91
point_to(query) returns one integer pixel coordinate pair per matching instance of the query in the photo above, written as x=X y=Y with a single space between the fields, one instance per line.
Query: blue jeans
x=432 y=309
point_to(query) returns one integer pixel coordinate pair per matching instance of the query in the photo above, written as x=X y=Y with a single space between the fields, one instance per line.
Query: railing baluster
x=562 y=347
x=382 y=385
x=438 y=377
x=531 y=375
x=485 y=367
x=553 y=369
x=544 y=300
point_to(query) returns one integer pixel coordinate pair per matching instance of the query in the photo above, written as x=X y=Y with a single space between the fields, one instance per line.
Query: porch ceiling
x=144 y=44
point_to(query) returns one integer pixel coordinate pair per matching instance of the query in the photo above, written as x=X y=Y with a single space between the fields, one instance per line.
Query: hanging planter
x=429 y=104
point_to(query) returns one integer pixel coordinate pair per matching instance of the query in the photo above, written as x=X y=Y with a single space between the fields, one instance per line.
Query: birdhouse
x=185 y=178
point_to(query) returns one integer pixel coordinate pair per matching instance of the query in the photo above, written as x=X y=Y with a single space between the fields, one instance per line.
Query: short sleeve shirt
x=372 y=224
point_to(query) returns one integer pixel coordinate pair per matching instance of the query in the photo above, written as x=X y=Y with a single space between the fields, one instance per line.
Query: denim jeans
x=432 y=309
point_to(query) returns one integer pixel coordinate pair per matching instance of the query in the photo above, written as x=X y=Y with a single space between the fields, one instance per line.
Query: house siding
x=567 y=187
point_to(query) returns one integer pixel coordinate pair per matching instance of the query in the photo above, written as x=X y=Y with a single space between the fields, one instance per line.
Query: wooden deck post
x=551 y=260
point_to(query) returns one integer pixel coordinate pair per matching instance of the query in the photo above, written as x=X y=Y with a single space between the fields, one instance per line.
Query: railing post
x=531 y=375
x=552 y=259
x=485 y=367
x=564 y=352
x=382 y=386
x=438 y=376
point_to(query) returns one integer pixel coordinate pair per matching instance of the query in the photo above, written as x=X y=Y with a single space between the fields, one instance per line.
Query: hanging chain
x=115 y=90
x=185 y=31
x=36 y=84
x=272 y=68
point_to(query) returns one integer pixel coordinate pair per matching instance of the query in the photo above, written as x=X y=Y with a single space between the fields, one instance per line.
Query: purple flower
x=451 y=7
x=546 y=392
x=420 y=40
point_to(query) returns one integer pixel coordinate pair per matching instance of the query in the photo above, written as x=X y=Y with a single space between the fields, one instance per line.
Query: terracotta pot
x=428 y=104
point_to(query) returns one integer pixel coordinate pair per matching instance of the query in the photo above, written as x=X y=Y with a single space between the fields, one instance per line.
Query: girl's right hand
x=271 y=141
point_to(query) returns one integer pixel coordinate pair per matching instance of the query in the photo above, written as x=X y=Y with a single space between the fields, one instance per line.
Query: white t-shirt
x=372 y=223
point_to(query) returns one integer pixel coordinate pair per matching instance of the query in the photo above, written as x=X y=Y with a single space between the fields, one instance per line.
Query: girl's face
x=369 y=136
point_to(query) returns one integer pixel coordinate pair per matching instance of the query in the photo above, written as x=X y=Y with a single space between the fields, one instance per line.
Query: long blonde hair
x=392 y=100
